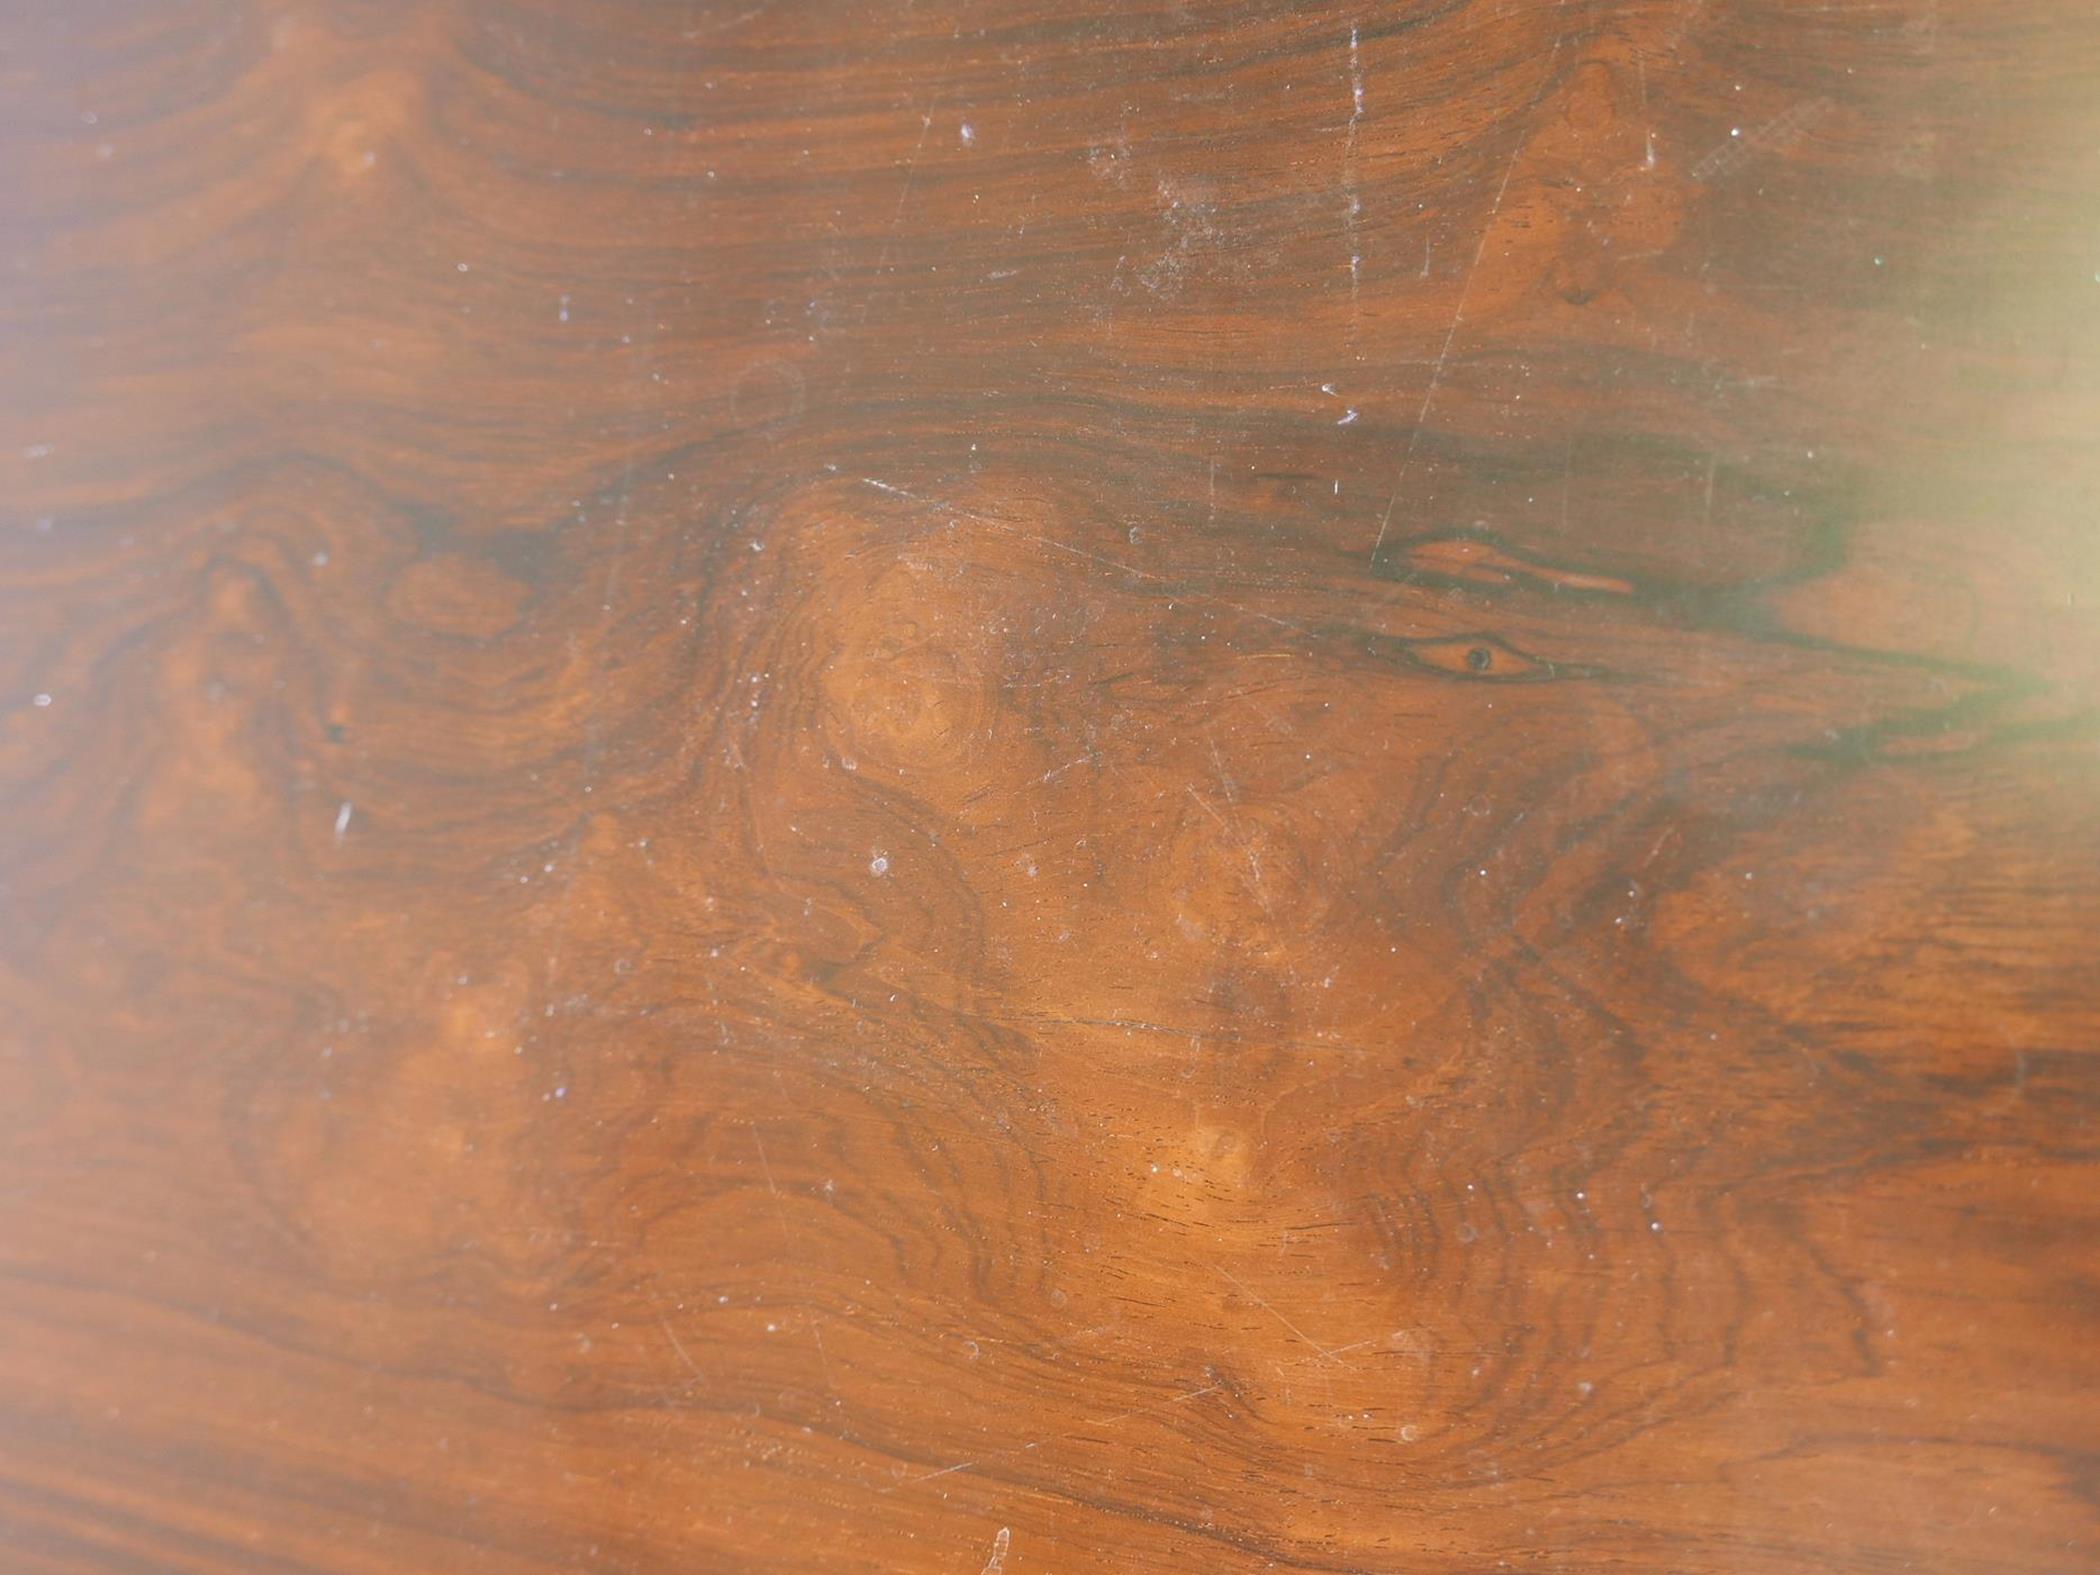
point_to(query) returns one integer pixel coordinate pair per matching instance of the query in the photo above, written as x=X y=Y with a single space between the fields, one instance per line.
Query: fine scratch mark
x=1640 y=67
x=1458 y=316
x=1232 y=829
x=997 y=1562
x=752 y=15
x=1217 y=760
x=816 y=1324
x=1099 y=1421
x=1208 y=808
x=1356 y=87
x=678 y=1345
x=911 y=173
x=1443 y=357
x=1354 y=205
x=767 y=1166
x=1117 y=564
x=787 y=1233
x=593 y=755
x=1354 y=1345
x=816 y=1333
x=1261 y=893
x=1567 y=475
x=1194 y=1036
x=1254 y=1297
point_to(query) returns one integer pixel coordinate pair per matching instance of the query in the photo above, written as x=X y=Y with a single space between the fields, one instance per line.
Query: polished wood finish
x=1017 y=787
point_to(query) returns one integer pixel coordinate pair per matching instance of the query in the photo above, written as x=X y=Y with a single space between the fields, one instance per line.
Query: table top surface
x=1001 y=787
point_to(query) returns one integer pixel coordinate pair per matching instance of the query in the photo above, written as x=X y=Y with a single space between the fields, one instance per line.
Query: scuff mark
x=1774 y=136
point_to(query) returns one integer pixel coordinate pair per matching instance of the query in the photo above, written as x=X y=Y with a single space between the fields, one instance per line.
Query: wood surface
x=900 y=785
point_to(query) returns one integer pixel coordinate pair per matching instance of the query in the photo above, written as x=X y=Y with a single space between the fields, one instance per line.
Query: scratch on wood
x=678 y=1345
x=1117 y=564
x=1258 y=1301
x=1458 y=316
x=911 y=173
x=1353 y=205
x=1099 y=1421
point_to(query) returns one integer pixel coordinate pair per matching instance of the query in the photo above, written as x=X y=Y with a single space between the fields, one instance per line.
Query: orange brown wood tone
x=851 y=785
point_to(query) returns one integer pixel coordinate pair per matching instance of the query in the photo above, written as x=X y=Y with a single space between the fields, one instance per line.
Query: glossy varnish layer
x=1003 y=787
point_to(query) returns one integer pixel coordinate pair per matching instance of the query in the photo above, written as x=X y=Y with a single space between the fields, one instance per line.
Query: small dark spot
x=1480 y=658
x=337 y=732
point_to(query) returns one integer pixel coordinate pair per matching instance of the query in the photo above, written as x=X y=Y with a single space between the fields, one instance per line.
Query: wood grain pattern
x=1010 y=787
